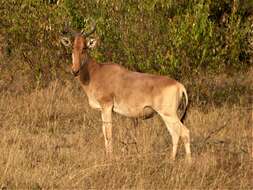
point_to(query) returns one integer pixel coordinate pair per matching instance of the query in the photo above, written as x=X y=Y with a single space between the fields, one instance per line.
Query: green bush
x=158 y=36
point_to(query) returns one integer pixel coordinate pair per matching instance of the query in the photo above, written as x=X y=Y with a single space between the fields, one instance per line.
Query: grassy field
x=52 y=139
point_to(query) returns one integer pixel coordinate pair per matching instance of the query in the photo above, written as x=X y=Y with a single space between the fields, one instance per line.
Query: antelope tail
x=183 y=91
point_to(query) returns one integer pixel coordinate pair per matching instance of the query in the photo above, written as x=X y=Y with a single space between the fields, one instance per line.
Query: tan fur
x=110 y=87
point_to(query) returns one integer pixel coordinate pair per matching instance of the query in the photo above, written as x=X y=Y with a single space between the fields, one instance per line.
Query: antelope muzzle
x=75 y=73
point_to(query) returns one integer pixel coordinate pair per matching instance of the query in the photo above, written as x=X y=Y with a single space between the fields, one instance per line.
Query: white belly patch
x=94 y=103
x=120 y=110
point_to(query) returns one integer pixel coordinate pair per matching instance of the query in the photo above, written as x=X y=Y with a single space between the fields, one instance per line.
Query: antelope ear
x=65 y=41
x=91 y=43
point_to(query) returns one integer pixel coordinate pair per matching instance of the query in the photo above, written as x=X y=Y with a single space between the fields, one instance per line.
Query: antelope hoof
x=188 y=159
x=109 y=156
x=172 y=159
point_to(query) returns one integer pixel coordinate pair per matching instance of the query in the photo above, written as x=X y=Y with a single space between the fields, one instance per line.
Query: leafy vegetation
x=157 y=36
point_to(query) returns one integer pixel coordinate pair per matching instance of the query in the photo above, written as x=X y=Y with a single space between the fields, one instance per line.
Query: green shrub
x=158 y=36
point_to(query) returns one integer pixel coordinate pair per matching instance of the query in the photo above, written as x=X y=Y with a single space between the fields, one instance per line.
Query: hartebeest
x=112 y=88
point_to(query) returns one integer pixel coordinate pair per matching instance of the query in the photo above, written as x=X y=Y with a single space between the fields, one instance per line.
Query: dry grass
x=51 y=139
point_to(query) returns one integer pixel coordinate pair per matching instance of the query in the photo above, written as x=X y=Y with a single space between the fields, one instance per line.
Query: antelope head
x=80 y=48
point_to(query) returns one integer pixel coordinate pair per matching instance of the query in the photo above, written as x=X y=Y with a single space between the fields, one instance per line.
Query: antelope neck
x=88 y=67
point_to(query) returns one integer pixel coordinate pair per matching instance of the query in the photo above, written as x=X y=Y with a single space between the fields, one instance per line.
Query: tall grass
x=52 y=139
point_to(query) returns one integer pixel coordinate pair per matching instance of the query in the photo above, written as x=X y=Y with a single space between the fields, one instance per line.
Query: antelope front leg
x=107 y=130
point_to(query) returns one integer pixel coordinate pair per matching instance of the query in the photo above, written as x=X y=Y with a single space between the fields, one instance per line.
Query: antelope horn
x=86 y=34
x=68 y=30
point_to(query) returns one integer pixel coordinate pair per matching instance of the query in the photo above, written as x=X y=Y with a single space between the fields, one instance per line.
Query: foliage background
x=178 y=38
